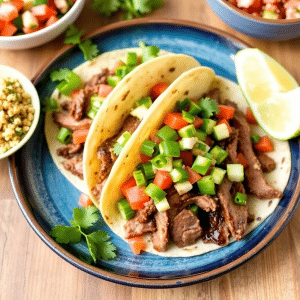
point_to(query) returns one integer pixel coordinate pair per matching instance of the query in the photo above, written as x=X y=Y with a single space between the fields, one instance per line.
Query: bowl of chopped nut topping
x=19 y=110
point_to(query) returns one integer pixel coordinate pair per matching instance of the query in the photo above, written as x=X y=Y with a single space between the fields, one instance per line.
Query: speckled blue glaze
x=255 y=27
x=52 y=198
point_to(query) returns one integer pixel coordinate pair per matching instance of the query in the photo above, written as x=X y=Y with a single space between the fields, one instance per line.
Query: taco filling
x=196 y=174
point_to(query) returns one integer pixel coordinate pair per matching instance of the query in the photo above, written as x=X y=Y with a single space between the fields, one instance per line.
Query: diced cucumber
x=200 y=148
x=162 y=205
x=125 y=209
x=187 y=143
x=221 y=132
x=206 y=185
x=218 y=175
x=201 y=164
x=177 y=163
x=208 y=125
x=183 y=187
x=235 y=172
x=139 y=112
x=219 y=154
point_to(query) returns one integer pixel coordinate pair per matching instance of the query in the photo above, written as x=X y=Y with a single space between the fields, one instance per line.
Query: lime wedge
x=271 y=92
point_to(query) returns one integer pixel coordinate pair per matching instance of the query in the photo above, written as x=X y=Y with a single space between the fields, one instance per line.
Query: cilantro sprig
x=82 y=223
x=131 y=8
x=73 y=36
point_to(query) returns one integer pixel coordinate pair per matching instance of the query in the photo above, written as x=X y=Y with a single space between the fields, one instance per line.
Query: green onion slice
x=64 y=135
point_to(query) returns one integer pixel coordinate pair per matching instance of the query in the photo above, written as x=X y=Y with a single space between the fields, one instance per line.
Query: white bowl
x=28 y=87
x=45 y=35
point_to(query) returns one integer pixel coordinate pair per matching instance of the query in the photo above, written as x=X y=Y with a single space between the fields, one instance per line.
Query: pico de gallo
x=26 y=16
x=195 y=162
x=270 y=9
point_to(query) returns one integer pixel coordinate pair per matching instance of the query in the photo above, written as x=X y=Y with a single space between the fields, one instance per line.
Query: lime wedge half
x=271 y=92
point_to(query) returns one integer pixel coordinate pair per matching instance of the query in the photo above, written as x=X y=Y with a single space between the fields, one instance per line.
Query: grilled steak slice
x=99 y=78
x=68 y=121
x=235 y=215
x=217 y=232
x=134 y=228
x=69 y=150
x=160 y=237
x=130 y=124
x=254 y=176
x=232 y=147
x=214 y=94
x=66 y=105
x=97 y=189
x=267 y=163
x=186 y=228
x=148 y=210
x=78 y=106
x=74 y=165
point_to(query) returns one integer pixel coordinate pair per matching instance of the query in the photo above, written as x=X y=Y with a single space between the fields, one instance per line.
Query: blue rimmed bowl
x=254 y=26
x=46 y=197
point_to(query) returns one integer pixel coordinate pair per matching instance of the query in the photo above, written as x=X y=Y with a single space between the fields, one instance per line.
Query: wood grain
x=30 y=270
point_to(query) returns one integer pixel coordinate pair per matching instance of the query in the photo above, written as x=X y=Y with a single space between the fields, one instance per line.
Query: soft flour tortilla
x=193 y=84
x=90 y=68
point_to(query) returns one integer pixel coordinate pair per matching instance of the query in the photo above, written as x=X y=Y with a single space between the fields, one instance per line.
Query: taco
x=104 y=80
x=203 y=185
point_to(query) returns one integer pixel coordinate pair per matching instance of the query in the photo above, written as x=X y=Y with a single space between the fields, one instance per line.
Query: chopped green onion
x=168 y=166
x=139 y=178
x=188 y=117
x=195 y=109
x=178 y=163
x=169 y=148
x=123 y=139
x=113 y=80
x=96 y=101
x=144 y=101
x=117 y=149
x=125 y=209
x=132 y=59
x=179 y=174
x=183 y=187
x=235 y=172
x=194 y=208
x=200 y=148
x=187 y=143
x=162 y=205
x=148 y=147
x=50 y=104
x=159 y=161
x=122 y=71
x=187 y=131
x=219 y=154
x=182 y=105
x=92 y=113
x=221 y=132
x=73 y=81
x=156 y=193
x=206 y=185
x=240 y=198
x=208 y=125
x=167 y=133
x=148 y=171
x=64 y=135
x=201 y=164
x=139 y=112
x=255 y=138
x=201 y=135
x=218 y=175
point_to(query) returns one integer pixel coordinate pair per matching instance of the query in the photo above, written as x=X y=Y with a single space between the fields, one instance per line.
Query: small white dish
x=28 y=87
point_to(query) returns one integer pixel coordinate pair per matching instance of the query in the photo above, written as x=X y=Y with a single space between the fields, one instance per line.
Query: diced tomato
x=128 y=184
x=163 y=180
x=43 y=12
x=158 y=89
x=137 y=244
x=80 y=135
x=136 y=197
x=208 y=141
x=29 y=30
x=225 y=112
x=118 y=63
x=1 y=24
x=85 y=200
x=155 y=138
x=264 y=145
x=145 y=158
x=250 y=117
x=18 y=4
x=242 y=160
x=187 y=158
x=104 y=90
x=8 y=29
x=51 y=21
x=51 y=4
x=198 y=122
x=194 y=176
x=175 y=120
x=227 y=124
x=8 y=12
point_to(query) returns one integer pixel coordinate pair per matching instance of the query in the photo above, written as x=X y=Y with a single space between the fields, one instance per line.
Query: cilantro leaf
x=106 y=7
x=146 y=6
x=60 y=75
x=66 y=234
x=73 y=35
x=209 y=107
x=92 y=247
x=106 y=250
x=85 y=217
x=99 y=236
x=89 y=49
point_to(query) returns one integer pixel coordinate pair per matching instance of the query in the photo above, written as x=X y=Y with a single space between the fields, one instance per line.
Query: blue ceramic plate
x=46 y=198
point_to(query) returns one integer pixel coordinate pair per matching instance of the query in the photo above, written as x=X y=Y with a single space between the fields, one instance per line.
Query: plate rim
x=27 y=210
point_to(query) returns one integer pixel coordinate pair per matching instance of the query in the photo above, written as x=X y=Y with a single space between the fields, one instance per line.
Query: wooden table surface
x=30 y=270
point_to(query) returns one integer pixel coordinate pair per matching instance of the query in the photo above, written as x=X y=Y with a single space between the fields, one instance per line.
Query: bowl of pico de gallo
x=27 y=24
x=262 y=19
